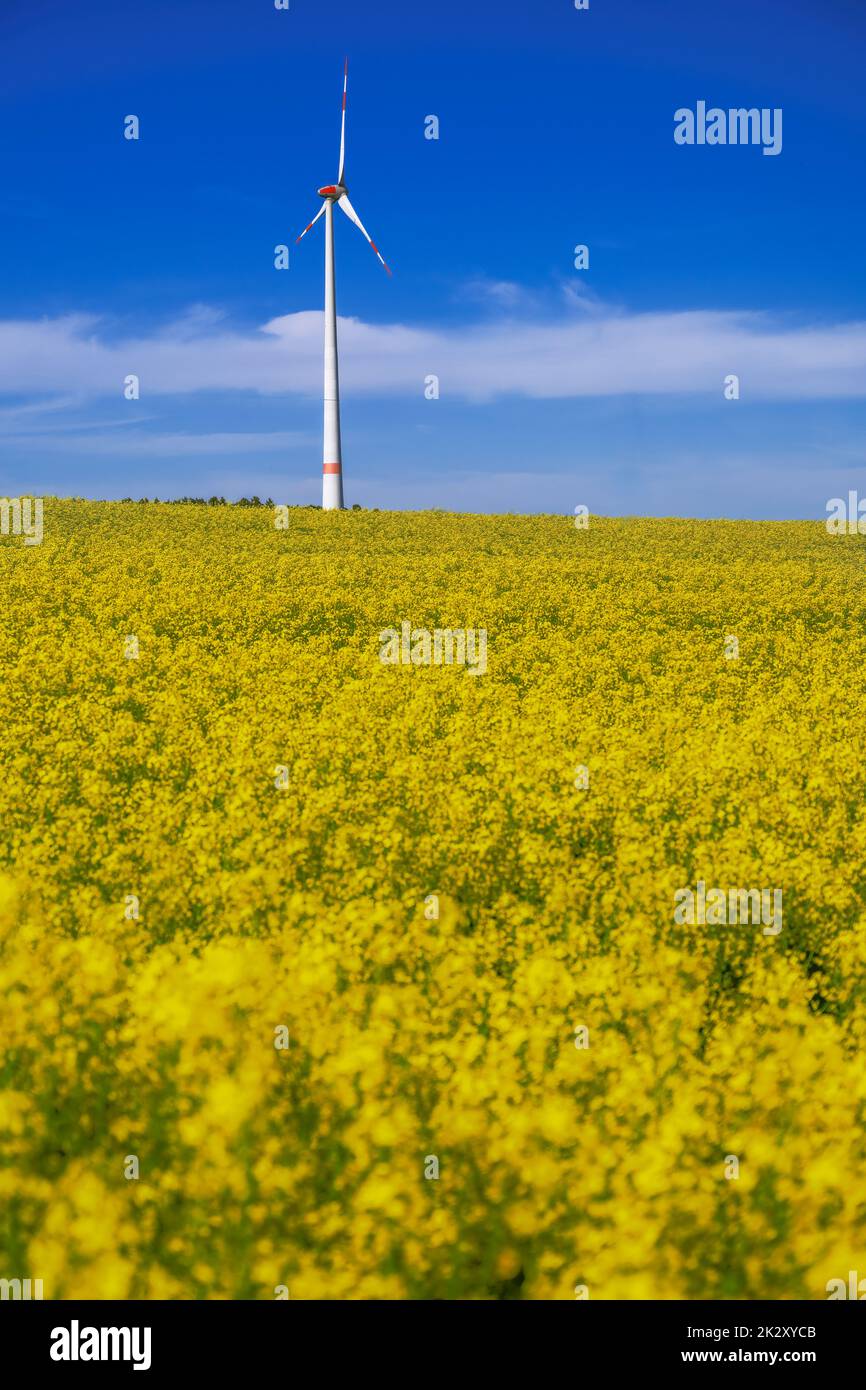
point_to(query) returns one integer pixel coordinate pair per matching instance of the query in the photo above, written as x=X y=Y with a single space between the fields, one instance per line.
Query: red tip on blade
x=379 y=254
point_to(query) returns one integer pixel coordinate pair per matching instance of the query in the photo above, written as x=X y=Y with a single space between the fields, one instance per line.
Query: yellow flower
x=418 y=1017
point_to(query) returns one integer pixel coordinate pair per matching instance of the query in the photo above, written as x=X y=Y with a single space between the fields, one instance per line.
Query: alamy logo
x=715 y=907
x=737 y=126
x=20 y=1288
x=76 y=1343
x=856 y=1287
x=850 y=521
x=17 y=518
x=419 y=647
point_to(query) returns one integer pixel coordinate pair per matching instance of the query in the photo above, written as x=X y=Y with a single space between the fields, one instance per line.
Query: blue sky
x=557 y=386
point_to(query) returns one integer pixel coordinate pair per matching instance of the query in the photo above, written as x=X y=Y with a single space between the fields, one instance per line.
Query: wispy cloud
x=143 y=444
x=19 y=415
x=600 y=354
x=735 y=485
x=501 y=294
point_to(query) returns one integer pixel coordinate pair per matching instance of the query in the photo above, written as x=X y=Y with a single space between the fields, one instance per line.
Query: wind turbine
x=334 y=193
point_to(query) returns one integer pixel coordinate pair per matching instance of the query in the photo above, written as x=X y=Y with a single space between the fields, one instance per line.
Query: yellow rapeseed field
x=250 y=1014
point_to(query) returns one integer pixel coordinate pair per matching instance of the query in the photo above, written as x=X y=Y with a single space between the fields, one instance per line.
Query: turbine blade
x=343 y=128
x=311 y=224
x=353 y=217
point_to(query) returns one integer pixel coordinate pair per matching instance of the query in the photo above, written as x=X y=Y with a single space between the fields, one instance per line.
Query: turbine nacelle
x=336 y=194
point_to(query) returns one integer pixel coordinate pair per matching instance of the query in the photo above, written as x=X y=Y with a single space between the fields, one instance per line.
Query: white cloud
x=604 y=354
x=773 y=486
x=503 y=294
x=141 y=444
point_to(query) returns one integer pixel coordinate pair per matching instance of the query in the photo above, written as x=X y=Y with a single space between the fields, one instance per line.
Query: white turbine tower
x=332 y=459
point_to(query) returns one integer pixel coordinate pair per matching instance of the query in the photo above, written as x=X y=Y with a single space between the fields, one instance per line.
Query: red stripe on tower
x=331 y=468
